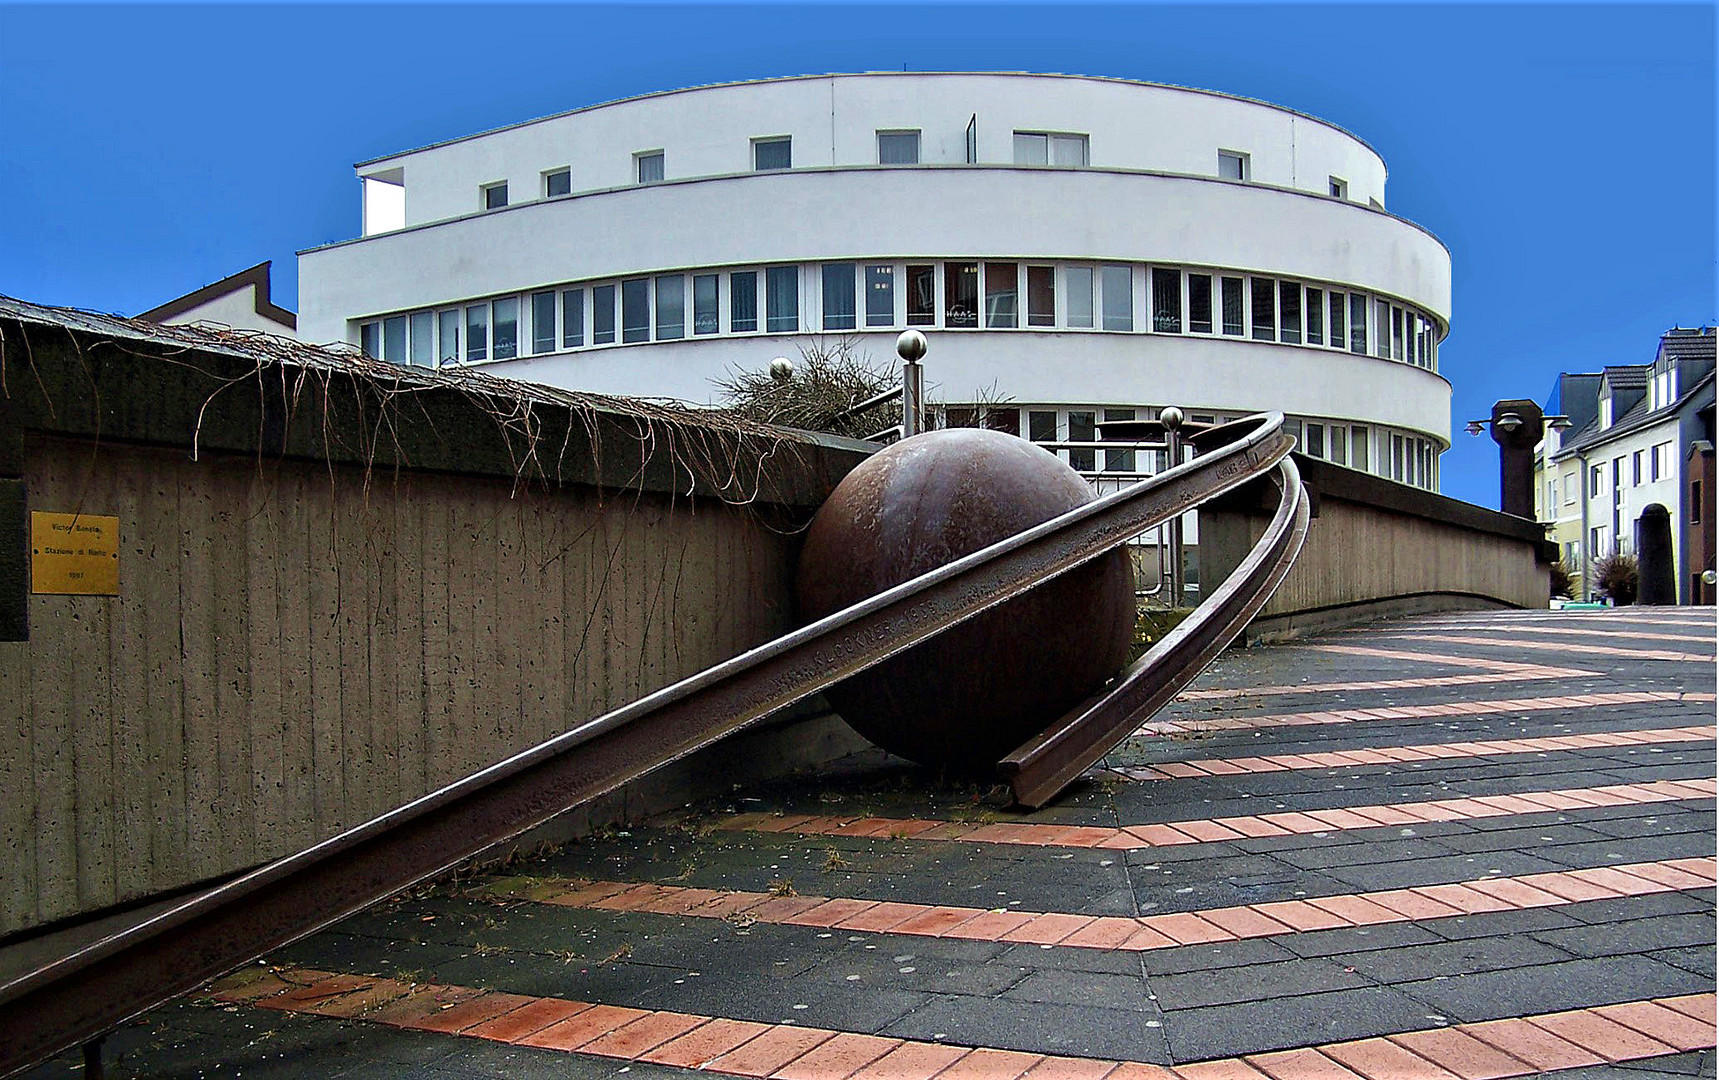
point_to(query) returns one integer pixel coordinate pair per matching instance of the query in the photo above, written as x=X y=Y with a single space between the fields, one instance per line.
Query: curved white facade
x=1122 y=274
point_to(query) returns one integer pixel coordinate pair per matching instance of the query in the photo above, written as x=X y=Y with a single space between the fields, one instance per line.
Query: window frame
x=898 y=133
x=486 y=191
x=1244 y=164
x=759 y=142
x=642 y=156
x=549 y=175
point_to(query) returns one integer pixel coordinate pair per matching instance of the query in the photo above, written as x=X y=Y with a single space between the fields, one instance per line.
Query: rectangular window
x=1264 y=309
x=1382 y=328
x=743 y=302
x=922 y=296
x=775 y=153
x=636 y=310
x=671 y=307
x=1043 y=148
x=1078 y=280
x=1339 y=187
x=880 y=296
x=572 y=318
x=706 y=291
x=1661 y=463
x=1694 y=502
x=1398 y=465
x=394 y=339
x=1233 y=165
x=1635 y=467
x=650 y=165
x=1339 y=444
x=423 y=351
x=1117 y=285
x=507 y=328
x=1357 y=323
x=1596 y=477
x=1569 y=488
x=1359 y=441
x=448 y=327
x=1068 y=150
x=1002 y=295
x=1031 y=149
x=782 y=299
x=960 y=295
x=1289 y=306
x=1041 y=296
x=602 y=314
x=898 y=148
x=1119 y=460
x=557 y=182
x=370 y=340
x=1315 y=316
x=1200 y=303
x=1396 y=333
x=1166 y=300
x=542 y=323
x=1082 y=427
x=1339 y=333
x=494 y=195
x=1234 y=319
x=1316 y=440
x=839 y=305
x=477 y=333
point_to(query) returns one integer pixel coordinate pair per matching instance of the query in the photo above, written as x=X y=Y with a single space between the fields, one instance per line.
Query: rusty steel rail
x=79 y=996
x=1046 y=764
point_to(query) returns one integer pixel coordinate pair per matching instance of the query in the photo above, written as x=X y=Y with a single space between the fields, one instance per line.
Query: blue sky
x=1564 y=153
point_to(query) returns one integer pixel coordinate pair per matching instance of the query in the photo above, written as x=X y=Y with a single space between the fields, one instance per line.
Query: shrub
x=1615 y=576
x=1562 y=582
x=828 y=379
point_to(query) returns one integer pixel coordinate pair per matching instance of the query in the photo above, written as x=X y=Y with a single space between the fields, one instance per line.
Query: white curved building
x=1086 y=248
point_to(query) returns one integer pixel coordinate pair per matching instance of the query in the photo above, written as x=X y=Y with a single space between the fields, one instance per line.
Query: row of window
x=894 y=147
x=1642 y=467
x=950 y=295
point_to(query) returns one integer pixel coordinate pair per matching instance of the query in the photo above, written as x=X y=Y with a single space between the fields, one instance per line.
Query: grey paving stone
x=1254 y=982
x=1410 y=963
x=1357 y=939
x=1227 y=954
x=1572 y=984
x=1253 y=1027
x=1698 y=960
x=1633 y=936
x=1037 y=1026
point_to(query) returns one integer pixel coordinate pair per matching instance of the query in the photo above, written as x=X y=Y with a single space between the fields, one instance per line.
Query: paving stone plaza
x=1477 y=845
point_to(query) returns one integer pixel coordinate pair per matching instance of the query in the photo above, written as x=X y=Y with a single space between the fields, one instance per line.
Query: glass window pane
x=960 y=295
x=671 y=307
x=1002 y=294
x=898 y=148
x=880 y=296
x=495 y=196
x=1031 y=149
x=1082 y=428
x=1289 y=306
x=1339 y=335
x=572 y=318
x=1396 y=333
x=1234 y=323
x=1357 y=323
x=1339 y=444
x=602 y=314
x=1068 y=150
x=1200 y=303
x=1264 y=309
x=1079 y=282
x=782 y=299
x=704 y=303
x=743 y=301
x=1382 y=329
x=1315 y=316
x=1041 y=296
x=839 y=308
x=448 y=348
x=477 y=332
x=542 y=322
x=921 y=295
x=1166 y=300
x=1316 y=440
x=507 y=328
x=650 y=167
x=423 y=339
x=558 y=183
x=1119 y=460
x=636 y=310
x=1041 y=426
x=1118 y=284
x=772 y=154
x=394 y=339
x=370 y=339
x=1358 y=443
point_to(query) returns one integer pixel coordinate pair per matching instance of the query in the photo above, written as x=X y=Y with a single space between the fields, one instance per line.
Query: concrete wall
x=1376 y=548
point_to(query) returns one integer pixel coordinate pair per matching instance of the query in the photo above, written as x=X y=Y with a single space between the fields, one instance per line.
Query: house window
x=394 y=339
x=1078 y=280
x=671 y=307
x=880 y=296
x=1694 y=502
x=602 y=314
x=773 y=153
x=477 y=333
x=572 y=318
x=636 y=310
x=1382 y=328
x=1166 y=300
x=782 y=299
x=1082 y=427
x=1396 y=333
x=1662 y=461
x=1119 y=460
x=448 y=327
x=1002 y=295
x=557 y=182
x=423 y=348
x=1289 y=306
x=1118 y=287
x=1595 y=478
x=1339 y=187
x=650 y=166
x=1234 y=165
x=1041 y=296
x=1264 y=309
x=1359 y=441
x=1200 y=303
x=1234 y=317
x=1339 y=333
x=1358 y=324
x=1315 y=440
x=1569 y=488
x=1339 y=444
x=960 y=295
x=706 y=288
x=922 y=296
x=494 y=195
x=507 y=328
x=898 y=148
x=1041 y=426
x=743 y=302
x=1047 y=148
x=542 y=323
x=1315 y=316
x=839 y=309
x=1635 y=467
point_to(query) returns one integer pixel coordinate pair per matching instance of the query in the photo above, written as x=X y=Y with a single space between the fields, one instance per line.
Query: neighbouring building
x=242 y=301
x=1638 y=434
x=1089 y=249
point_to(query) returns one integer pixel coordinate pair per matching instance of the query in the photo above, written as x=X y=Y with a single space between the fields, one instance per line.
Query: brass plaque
x=74 y=554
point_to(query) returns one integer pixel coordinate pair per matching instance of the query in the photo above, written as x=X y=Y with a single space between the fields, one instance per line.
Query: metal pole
x=911 y=346
x=1171 y=418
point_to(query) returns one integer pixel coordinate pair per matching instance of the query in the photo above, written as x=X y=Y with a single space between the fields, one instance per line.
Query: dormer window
x=1605 y=413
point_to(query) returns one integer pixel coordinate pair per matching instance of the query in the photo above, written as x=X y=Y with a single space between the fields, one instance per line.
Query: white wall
x=237 y=309
x=833 y=120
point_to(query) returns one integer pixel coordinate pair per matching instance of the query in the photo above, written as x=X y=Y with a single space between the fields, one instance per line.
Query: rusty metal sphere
x=967 y=697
